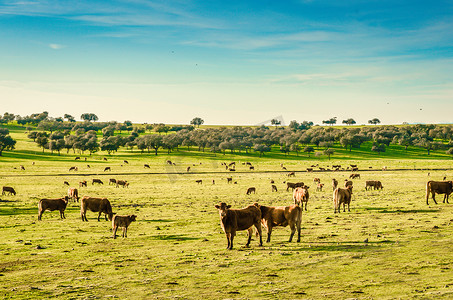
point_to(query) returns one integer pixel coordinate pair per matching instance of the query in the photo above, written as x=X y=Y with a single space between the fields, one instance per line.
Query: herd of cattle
x=233 y=220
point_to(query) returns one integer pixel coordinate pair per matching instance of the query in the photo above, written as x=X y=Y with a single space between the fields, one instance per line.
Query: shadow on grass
x=406 y=211
x=157 y=220
x=172 y=237
x=328 y=246
x=11 y=211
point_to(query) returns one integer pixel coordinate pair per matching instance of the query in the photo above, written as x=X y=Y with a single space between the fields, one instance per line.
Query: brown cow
x=126 y=162
x=375 y=184
x=342 y=196
x=354 y=176
x=22 y=167
x=112 y=181
x=98 y=181
x=347 y=183
x=252 y=168
x=122 y=221
x=124 y=183
x=146 y=166
x=301 y=195
x=319 y=187
x=309 y=169
x=107 y=169
x=291 y=174
x=51 y=205
x=316 y=179
x=334 y=183
x=105 y=159
x=73 y=193
x=230 y=180
x=101 y=205
x=274 y=188
x=293 y=185
x=250 y=190
x=281 y=216
x=199 y=181
x=83 y=183
x=77 y=158
x=73 y=169
x=233 y=220
x=9 y=190
x=66 y=183
x=188 y=169
x=439 y=187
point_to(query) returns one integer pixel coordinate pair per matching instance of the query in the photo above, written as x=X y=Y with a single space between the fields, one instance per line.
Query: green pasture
x=391 y=245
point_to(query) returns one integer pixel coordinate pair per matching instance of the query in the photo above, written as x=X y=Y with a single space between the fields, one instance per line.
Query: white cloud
x=56 y=46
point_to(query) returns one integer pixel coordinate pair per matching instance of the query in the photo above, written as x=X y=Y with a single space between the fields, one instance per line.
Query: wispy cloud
x=56 y=46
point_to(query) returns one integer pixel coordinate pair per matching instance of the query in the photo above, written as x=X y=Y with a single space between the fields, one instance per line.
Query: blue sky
x=234 y=62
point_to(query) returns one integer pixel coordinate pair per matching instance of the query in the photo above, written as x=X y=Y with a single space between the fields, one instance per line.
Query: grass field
x=391 y=244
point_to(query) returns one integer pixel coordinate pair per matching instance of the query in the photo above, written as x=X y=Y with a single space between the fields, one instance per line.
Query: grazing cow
x=375 y=184
x=231 y=170
x=126 y=162
x=66 y=183
x=22 y=167
x=384 y=168
x=51 y=205
x=235 y=182
x=147 y=166
x=83 y=183
x=309 y=169
x=293 y=185
x=301 y=195
x=281 y=216
x=334 y=183
x=347 y=183
x=213 y=181
x=169 y=162
x=107 y=169
x=354 y=176
x=98 y=181
x=73 y=169
x=354 y=169
x=248 y=164
x=101 y=205
x=112 y=181
x=250 y=190
x=252 y=168
x=88 y=166
x=316 y=179
x=284 y=168
x=73 y=193
x=123 y=183
x=105 y=159
x=293 y=174
x=9 y=190
x=230 y=180
x=199 y=181
x=188 y=169
x=272 y=181
x=77 y=158
x=342 y=196
x=233 y=220
x=319 y=187
x=439 y=187
x=321 y=169
x=353 y=166
x=122 y=221
x=232 y=164
x=274 y=188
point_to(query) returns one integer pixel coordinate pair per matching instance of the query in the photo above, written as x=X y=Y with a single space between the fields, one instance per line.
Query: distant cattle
x=319 y=187
x=316 y=179
x=123 y=183
x=51 y=205
x=334 y=183
x=122 y=221
x=107 y=169
x=199 y=181
x=9 y=190
x=233 y=220
x=146 y=166
x=77 y=158
x=250 y=190
x=282 y=216
x=229 y=179
x=439 y=187
x=342 y=196
x=232 y=164
x=353 y=166
x=301 y=196
x=252 y=168
x=88 y=166
x=105 y=159
x=231 y=170
x=347 y=183
x=83 y=183
x=66 y=183
x=292 y=186
x=112 y=181
x=272 y=181
x=354 y=176
x=98 y=181
x=73 y=193
x=248 y=164
x=126 y=162
x=375 y=184
x=73 y=169
x=101 y=205
x=274 y=188
x=309 y=169
x=188 y=169
x=291 y=174
x=22 y=167
x=284 y=168
x=213 y=181
x=354 y=169
x=169 y=162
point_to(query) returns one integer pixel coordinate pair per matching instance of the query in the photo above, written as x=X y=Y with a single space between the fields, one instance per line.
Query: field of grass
x=391 y=244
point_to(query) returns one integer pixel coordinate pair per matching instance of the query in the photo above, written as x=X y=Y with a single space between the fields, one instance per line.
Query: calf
x=281 y=216
x=301 y=195
x=250 y=190
x=309 y=169
x=122 y=221
x=319 y=187
x=439 y=187
x=342 y=196
x=112 y=181
x=51 y=205
x=123 y=183
x=83 y=183
x=101 y=205
x=316 y=179
x=73 y=193
x=9 y=190
x=126 y=162
x=98 y=181
x=274 y=188
x=233 y=220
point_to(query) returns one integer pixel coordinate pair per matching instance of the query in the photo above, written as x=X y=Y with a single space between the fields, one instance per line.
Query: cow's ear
x=228 y=206
x=216 y=206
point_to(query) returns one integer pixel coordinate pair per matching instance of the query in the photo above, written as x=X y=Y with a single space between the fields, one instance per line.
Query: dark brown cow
x=146 y=166
x=274 y=188
x=77 y=158
x=354 y=176
x=73 y=193
x=309 y=169
x=347 y=183
x=439 y=187
x=112 y=181
x=51 y=205
x=233 y=220
x=272 y=181
x=107 y=169
x=230 y=180
x=252 y=168
x=250 y=190
x=123 y=183
x=354 y=169
x=282 y=216
x=334 y=183
x=105 y=159
x=73 y=169
x=98 y=181
x=101 y=205
x=22 y=167
x=291 y=174
x=375 y=184
x=83 y=183
x=66 y=183
x=342 y=196
x=316 y=179
x=199 y=181
x=301 y=196
x=188 y=169
x=9 y=190
x=126 y=162
x=122 y=221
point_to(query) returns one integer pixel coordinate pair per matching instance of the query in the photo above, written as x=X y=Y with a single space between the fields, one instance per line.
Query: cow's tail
x=428 y=190
x=335 y=198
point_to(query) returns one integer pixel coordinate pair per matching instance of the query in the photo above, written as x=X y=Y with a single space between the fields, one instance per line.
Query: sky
x=228 y=62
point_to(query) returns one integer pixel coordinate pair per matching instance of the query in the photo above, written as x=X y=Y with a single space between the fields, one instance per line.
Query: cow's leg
x=269 y=231
x=348 y=207
x=228 y=239
x=434 y=197
x=232 y=234
x=298 y=229
x=344 y=206
x=258 y=228
x=114 y=231
x=249 y=238
x=40 y=215
x=293 y=230
x=62 y=214
x=125 y=231
x=105 y=216
x=99 y=216
x=306 y=205
x=447 y=197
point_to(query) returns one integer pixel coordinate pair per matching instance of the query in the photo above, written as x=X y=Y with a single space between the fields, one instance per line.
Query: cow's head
x=133 y=217
x=66 y=199
x=110 y=216
x=223 y=208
